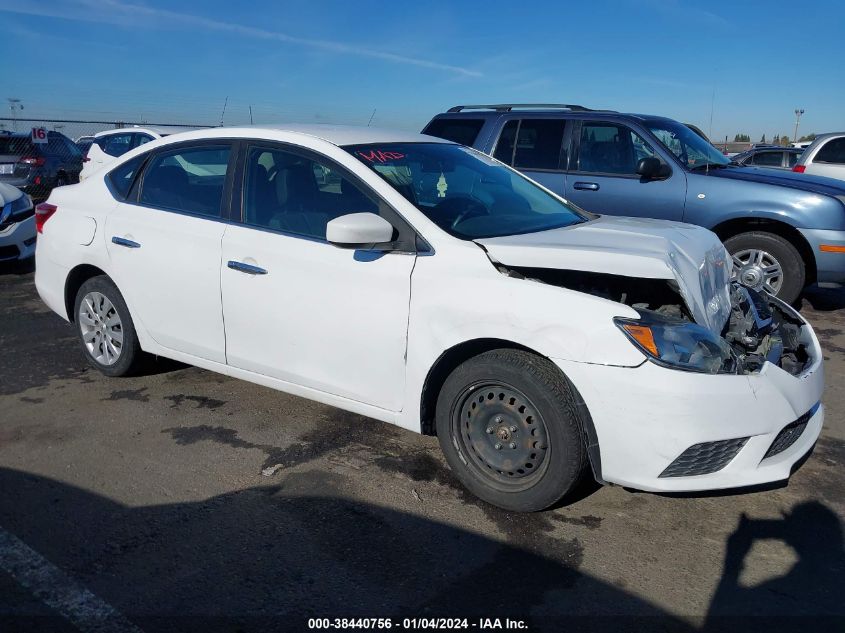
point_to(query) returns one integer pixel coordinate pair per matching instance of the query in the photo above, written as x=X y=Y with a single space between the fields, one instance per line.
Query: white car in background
x=424 y=284
x=108 y=145
x=17 y=224
x=824 y=157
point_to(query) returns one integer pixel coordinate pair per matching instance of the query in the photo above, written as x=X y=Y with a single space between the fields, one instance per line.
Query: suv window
x=610 y=149
x=792 y=158
x=16 y=145
x=463 y=131
x=188 y=180
x=832 y=152
x=290 y=193
x=115 y=144
x=538 y=144
x=767 y=159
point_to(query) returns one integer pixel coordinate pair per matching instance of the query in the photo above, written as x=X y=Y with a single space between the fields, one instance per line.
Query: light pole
x=798 y=113
x=14 y=106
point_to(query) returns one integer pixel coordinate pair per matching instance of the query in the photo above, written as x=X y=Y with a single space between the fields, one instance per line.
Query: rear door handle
x=586 y=186
x=122 y=241
x=246 y=268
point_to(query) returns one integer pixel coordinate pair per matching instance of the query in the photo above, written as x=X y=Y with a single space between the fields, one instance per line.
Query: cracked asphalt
x=149 y=493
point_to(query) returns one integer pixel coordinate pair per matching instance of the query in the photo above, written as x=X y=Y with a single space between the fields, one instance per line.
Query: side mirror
x=651 y=168
x=359 y=229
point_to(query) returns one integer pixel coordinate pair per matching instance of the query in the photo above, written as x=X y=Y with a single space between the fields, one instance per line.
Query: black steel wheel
x=509 y=427
x=502 y=433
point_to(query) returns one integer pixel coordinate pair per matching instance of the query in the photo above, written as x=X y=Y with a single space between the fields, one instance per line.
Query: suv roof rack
x=507 y=107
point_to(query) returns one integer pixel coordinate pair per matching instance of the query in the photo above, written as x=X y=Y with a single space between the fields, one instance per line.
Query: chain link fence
x=76 y=128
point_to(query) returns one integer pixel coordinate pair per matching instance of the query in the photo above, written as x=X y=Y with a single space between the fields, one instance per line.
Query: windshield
x=464 y=192
x=692 y=150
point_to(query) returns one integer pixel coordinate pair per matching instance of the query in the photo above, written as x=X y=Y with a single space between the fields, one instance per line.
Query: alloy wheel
x=758 y=269
x=101 y=327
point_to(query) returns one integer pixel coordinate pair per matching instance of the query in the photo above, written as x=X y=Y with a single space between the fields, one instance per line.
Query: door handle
x=586 y=186
x=122 y=241
x=246 y=268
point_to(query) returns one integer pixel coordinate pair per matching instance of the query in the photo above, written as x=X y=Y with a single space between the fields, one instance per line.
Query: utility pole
x=14 y=106
x=798 y=113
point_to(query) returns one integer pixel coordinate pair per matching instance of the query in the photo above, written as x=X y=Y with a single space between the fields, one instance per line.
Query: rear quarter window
x=122 y=177
x=463 y=131
x=832 y=152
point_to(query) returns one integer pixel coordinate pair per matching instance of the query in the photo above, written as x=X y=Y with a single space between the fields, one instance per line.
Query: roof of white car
x=159 y=131
x=350 y=134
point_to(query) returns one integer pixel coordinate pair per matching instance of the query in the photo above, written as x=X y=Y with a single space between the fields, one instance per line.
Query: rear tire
x=772 y=251
x=508 y=425
x=105 y=328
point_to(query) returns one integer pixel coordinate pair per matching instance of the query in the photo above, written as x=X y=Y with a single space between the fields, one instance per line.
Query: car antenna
x=710 y=131
x=222 y=114
x=371 y=117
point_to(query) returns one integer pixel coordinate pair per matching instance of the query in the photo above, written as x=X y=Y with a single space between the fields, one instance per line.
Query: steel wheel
x=758 y=269
x=503 y=435
x=101 y=327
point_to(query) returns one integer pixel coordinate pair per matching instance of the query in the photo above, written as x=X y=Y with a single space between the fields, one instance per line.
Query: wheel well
x=453 y=357
x=731 y=228
x=75 y=279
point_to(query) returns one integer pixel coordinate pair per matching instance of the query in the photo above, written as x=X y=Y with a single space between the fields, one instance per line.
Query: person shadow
x=809 y=597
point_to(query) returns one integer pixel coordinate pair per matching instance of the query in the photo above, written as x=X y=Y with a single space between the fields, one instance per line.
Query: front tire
x=768 y=263
x=508 y=425
x=105 y=328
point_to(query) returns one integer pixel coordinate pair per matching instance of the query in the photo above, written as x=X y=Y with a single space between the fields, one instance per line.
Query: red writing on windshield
x=377 y=156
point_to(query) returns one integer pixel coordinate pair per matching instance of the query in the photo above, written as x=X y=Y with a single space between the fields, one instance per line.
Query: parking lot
x=189 y=496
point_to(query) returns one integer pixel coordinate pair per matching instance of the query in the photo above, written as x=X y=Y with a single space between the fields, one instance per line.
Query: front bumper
x=830 y=265
x=17 y=241
x=646 y=417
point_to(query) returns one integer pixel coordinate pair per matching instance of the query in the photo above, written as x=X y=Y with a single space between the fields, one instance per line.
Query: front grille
x=789 y=434
x=704 y=458
x=9 y=252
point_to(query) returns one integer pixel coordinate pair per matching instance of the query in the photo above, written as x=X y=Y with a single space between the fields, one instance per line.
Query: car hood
x=632 y=247
x=782 y=178
x=8 y=193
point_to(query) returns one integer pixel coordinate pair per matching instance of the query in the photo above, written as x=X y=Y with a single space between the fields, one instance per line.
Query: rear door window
x=189 y=180
x=116 y=144
x=832 y=152
x=122 y=177
x=463 y=131
x=532 y=144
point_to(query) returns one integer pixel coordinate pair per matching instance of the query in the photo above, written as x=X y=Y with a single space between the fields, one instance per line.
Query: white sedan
x=421 y=283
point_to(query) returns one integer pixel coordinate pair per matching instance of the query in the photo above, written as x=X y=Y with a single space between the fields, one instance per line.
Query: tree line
x=776 y=139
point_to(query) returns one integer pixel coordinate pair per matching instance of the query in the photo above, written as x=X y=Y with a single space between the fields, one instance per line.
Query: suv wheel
x=105 y=328
x=767 y=262
x=508 y=425
x=61 y=180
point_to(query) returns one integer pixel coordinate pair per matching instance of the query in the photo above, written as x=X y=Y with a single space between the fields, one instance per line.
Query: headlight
x=679 y=344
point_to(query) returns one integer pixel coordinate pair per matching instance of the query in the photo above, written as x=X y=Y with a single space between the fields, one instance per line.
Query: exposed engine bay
x=758 y=329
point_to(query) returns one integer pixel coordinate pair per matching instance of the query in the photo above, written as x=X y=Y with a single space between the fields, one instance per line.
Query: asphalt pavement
x=184 y=500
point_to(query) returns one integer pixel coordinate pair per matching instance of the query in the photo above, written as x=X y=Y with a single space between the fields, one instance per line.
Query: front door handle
x=586 y=186
x=246 y=268
x=122 y=241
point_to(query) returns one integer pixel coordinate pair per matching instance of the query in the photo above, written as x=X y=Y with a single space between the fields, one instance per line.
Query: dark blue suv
x=784 y=230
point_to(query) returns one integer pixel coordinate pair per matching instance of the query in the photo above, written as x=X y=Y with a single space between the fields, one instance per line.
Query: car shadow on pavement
x=24 y=267
x=824 y=299
x=267 y=558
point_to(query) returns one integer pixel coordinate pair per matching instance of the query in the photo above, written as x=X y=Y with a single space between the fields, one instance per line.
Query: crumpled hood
x=632 y=247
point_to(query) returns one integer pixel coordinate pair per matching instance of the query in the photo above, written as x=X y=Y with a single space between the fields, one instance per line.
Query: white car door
x=299 y=309
x=164 y=244
x=829 y=159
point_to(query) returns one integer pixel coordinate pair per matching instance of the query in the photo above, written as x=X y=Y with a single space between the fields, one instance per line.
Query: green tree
x=808 y=137
x=742 y=138
x=763 y=138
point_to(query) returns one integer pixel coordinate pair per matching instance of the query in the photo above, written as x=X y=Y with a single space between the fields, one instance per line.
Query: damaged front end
x=758 y=329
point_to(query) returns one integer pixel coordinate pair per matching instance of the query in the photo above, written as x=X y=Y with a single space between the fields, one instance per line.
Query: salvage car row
x=433 y=286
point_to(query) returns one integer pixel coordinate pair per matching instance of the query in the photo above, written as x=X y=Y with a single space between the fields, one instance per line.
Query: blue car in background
x=784 y=230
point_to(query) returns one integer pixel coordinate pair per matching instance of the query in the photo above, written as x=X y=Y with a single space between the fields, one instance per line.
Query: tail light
x=799 y=169
x=37 y=161
x=44 y=212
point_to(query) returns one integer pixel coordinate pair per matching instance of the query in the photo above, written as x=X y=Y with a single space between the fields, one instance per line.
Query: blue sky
x=334 y=61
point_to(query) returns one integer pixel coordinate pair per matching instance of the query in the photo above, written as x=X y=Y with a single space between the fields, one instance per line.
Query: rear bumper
x=18 y=240
x=646 y=417
x=830 y=266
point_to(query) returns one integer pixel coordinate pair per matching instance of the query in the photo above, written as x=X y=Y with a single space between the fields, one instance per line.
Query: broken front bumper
x=648 y=417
